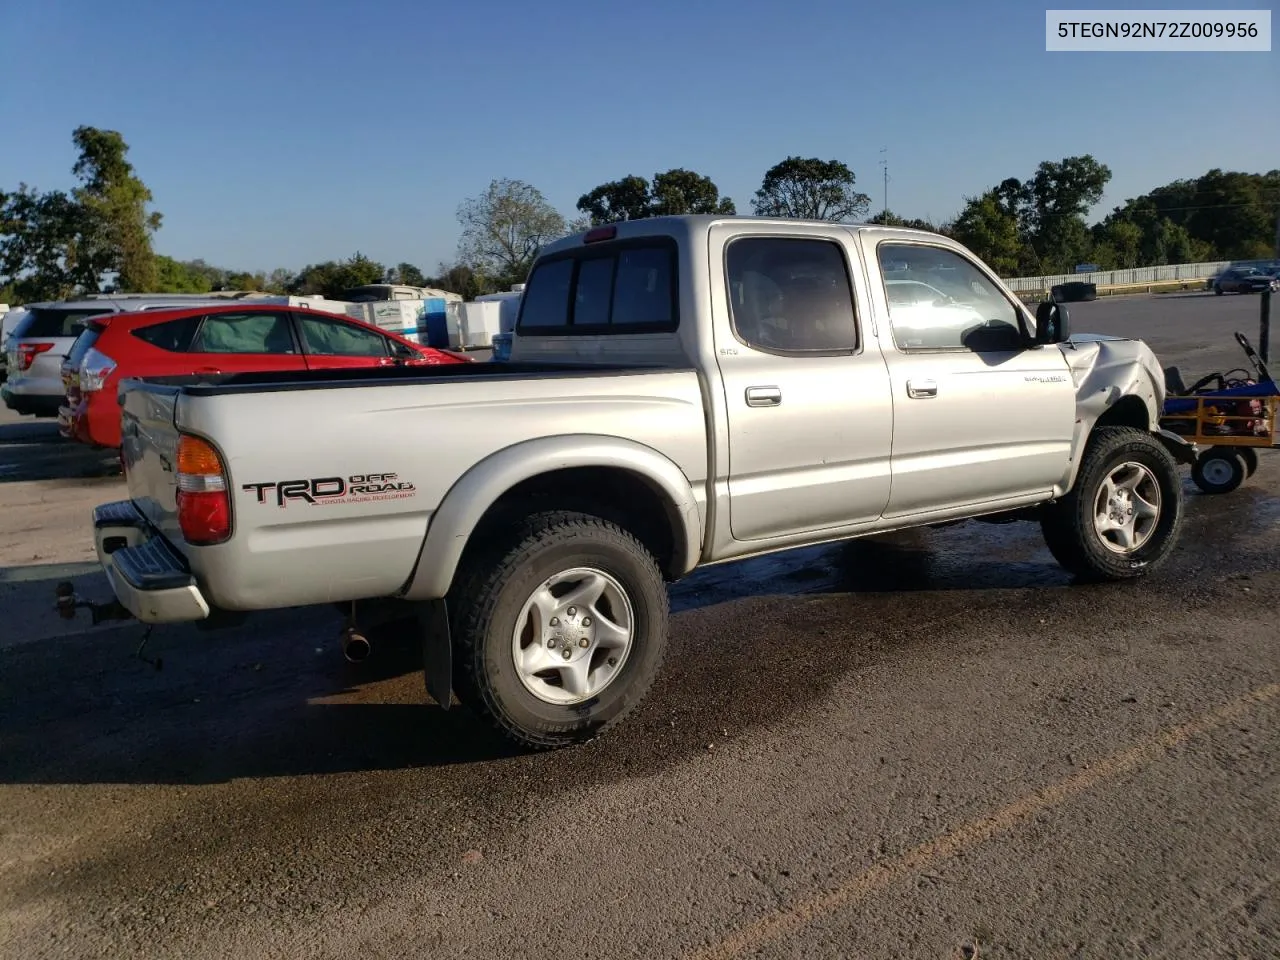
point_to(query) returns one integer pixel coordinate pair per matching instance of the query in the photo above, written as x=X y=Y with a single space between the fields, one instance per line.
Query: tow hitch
x=68 y=602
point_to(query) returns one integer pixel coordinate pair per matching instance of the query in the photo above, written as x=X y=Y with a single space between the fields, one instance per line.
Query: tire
x=1217 y=289
x=491 y=599
x=1218 y=470
x=1069 y=525
x=1250 y=458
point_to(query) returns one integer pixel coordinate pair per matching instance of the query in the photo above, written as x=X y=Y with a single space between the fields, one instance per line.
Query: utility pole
x=1278 y=231
x=885 y=167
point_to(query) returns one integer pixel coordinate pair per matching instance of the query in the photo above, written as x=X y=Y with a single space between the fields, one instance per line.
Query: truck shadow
x=32 y=450
x=275 y=698
x=758 y=640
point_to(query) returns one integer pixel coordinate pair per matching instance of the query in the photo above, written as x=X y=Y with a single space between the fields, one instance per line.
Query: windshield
x=84 y=343
x=54 y=322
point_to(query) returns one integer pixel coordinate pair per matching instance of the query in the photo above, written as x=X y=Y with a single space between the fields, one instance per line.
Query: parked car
x=1244 y=280
x=215 y=340
x=43 y=338
x=8 y=323
x=681 y=391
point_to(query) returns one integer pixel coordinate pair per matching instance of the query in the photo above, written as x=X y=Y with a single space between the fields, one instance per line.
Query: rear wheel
x=559 y=632
x=1122 y=518
x=1219 y=470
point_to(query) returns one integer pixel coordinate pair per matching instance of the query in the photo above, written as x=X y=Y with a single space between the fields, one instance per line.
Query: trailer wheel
x=1250 y=458
x=559 y=630
x=1122 y=517
x=1218 y=470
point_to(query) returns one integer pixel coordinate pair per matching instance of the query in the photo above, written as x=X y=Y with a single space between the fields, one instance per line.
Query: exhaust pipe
x=355 y=647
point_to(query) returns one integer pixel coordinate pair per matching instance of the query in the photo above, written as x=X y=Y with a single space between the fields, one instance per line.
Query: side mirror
x=1052 y=323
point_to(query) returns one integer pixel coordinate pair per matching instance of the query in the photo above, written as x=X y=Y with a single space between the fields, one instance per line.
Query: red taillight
x=27 y=353
x=204 y=506
x=600 y=233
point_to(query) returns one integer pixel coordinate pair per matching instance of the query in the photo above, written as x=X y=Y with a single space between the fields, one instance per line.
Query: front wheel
x=560 y=631
x=1123 y=516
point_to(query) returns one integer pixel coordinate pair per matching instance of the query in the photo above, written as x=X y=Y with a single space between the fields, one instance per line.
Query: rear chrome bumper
x=148 y=576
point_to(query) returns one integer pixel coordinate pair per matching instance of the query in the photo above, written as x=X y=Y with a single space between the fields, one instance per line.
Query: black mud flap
x=437 y=651
x=1179 y=447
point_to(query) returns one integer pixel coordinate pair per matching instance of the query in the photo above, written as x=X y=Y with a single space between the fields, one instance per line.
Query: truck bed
x=208 y=385
x=419 y=433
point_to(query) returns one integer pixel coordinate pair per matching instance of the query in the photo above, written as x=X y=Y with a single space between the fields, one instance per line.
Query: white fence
x=1110 y=278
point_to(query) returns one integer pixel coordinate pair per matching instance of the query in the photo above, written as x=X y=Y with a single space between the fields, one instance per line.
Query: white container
x=478 y=322
x=510 y=303
x=398 y=316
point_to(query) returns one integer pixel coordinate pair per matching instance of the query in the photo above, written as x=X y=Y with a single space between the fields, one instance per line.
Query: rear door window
x=174 y=336
x=245 y=333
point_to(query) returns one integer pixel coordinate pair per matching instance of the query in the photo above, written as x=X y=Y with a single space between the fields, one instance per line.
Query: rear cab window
x=627 y=286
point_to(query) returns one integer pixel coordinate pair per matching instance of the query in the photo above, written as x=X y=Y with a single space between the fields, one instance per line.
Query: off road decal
x=318 y=491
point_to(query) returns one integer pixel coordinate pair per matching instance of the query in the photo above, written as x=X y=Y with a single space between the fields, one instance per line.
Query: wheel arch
x=1110 y=408
x=639 y=487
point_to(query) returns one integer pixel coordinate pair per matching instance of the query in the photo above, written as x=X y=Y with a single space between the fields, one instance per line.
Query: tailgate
x=149 y=451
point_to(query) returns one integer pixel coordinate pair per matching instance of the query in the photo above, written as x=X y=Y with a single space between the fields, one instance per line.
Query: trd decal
x=359 y=488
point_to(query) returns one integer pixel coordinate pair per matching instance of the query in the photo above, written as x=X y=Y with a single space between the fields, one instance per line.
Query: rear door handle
x=920 y=389
x=763 y=396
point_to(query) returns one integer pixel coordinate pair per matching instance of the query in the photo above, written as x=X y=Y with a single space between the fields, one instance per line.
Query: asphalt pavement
x=926 y=745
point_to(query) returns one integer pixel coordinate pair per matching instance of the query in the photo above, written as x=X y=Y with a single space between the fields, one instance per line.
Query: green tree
x=244 y=280
x=173 y=276
x=504 y=228
x=41 y=248
x=118 y=225
x=1122 y=240
x=407 y=274
x=625 y=199
x=1056 y=200
x=888 y=218
x=810 y=189
x=679 y=191
x=333 y=278
x=460 y=279
x=278 y=281
x=990 y=229
x=1225 y=215
x=672 y=193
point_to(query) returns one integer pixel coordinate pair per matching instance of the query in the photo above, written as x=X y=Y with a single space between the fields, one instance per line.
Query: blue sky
x=278 y=132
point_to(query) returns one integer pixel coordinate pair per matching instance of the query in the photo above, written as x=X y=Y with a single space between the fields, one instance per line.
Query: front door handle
x=920 y=389
x=763 y=396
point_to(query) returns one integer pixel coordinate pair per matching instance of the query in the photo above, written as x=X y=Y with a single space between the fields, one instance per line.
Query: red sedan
x=215 y=340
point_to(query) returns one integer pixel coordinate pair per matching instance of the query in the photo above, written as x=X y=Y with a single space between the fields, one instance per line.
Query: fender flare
x=462 y=508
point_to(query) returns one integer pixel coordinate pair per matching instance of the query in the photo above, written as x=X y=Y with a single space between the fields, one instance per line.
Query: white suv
x=34 y=351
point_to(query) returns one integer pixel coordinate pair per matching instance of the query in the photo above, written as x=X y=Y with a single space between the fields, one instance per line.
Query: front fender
x=480 y=487
x=1111 y=373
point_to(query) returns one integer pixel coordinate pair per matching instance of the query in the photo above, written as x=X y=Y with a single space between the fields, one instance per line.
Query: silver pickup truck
x=682 y=391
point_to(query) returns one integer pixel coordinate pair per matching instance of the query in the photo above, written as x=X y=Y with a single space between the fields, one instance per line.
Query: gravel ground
x=927 y=745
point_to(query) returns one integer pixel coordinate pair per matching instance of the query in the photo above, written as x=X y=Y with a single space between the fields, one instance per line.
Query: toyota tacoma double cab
x=681 y=391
